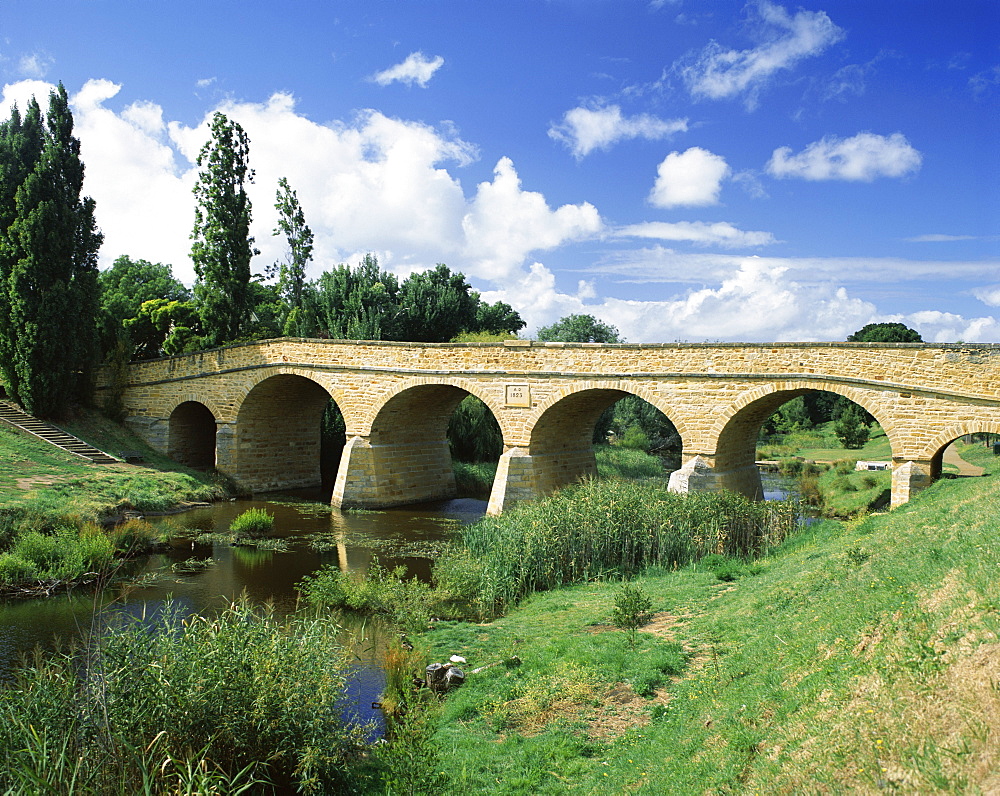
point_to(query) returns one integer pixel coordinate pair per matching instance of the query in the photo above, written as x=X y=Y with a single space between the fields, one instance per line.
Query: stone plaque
x=519 y=395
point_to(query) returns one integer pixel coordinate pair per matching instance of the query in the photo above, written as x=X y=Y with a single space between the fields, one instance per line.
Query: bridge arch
x=277 y=440
x=934 y=452
x=191 y=432
x=400 y=453
x=735 y=431
x=560 y=447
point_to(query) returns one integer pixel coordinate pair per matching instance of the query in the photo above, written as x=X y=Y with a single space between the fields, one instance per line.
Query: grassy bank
x=53 y=505
x=38 y=477
x=856 y=657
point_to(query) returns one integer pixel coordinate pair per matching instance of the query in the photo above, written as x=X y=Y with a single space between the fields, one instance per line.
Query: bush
x=14 y=569
x=252 y=521
x=380 y=592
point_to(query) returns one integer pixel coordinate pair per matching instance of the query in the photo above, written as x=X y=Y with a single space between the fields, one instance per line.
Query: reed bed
x=611 y=530
x=149 y=705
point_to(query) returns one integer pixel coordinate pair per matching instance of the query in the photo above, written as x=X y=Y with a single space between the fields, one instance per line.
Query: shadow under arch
x=561 y=439
x=191 y=435
x=734 y=459
x=278 y=440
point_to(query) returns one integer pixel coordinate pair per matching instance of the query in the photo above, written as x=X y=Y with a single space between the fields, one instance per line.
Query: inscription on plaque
x=518 y=395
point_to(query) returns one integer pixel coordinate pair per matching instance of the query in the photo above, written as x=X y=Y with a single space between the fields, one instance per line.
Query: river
x=204 y=576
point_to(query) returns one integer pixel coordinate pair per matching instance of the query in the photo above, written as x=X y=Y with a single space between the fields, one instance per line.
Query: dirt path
x=964 y=468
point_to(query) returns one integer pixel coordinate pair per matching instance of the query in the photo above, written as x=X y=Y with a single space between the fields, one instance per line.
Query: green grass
x=821 y=445
x=39 y=477
x=858 y=657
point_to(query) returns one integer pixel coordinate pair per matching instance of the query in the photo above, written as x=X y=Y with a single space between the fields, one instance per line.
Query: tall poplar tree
x=292 y=224
x=222 y=245
x=48 y=261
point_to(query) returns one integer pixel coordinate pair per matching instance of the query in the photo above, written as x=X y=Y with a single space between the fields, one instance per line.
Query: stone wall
x=396 y=399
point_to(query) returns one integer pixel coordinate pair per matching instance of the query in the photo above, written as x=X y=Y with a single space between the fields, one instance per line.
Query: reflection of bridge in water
x=254 y=410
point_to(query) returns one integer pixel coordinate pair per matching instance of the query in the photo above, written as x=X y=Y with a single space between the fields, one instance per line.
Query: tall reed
x=613 y=529
x=238 y=698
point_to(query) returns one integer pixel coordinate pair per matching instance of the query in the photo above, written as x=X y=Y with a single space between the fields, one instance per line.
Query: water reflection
x=316 y=535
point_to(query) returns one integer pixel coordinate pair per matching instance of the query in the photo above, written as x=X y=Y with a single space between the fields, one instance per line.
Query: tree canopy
x=885 y=333
x=48 y=260
x=579 y=329
x=126 y=286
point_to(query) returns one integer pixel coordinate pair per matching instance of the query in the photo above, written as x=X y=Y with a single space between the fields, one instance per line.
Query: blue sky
x=683 y=170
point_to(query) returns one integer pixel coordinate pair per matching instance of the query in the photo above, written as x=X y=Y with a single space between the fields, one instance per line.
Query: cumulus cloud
x=757 y=302
x=691 y=178
x=947 y=327
x=860 y=158
x=368 y=184
x=719 y=233
x=505 y=223
x=989 y=295
x=585 y=129
x=718 y=73
x=417 y=68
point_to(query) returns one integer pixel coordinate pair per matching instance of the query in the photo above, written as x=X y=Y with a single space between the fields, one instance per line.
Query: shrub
x=380 y=592
x=14 y=569
x=632 y=610
x=252 y=521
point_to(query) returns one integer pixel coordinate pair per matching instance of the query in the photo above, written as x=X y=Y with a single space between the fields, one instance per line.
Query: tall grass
x=236 y=699
x=612 y=529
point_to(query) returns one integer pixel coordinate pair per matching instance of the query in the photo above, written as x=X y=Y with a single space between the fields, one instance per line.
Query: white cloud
x=720 y=233
x=757 y=302
x=860 y=158
x=946 y=327
x=692 y=178
x=205 y=82
x=717 y=73
x=417 y=68
x=938 y=238
x=661 y=264
x=370 y=184
x=20 y=94
x=585 y=129
x=35 y=66
x=505 y=223
x=989 y=295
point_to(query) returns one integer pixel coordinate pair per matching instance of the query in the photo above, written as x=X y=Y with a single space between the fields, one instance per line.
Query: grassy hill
x=38 y=476
x=859 y=657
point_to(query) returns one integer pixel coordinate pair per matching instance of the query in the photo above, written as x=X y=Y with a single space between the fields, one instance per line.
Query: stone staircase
x=46 y=431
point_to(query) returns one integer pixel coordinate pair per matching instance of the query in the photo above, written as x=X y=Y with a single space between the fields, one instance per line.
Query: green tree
x=49 y=251
x=221 y=243
x=435 y=305
x=885 y=333
x=126 y=286
x=851 y=429
x=291 y=272
x=163 y=327
x=353 y=304
x=579 y=329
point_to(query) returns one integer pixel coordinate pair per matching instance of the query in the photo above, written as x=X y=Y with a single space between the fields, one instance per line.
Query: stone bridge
x=254 y=410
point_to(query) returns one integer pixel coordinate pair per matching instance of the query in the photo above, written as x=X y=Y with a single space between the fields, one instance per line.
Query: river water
x=203 y=576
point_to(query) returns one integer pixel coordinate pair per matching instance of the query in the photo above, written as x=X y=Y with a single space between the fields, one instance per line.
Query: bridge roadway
x=254 y=410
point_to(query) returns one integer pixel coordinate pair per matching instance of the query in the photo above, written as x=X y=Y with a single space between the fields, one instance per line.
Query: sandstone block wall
x=396 y=399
